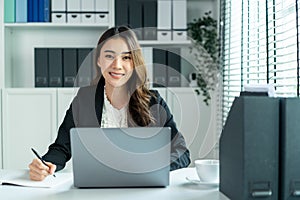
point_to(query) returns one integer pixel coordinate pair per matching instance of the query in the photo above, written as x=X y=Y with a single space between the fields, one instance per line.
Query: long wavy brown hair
x=139 y=110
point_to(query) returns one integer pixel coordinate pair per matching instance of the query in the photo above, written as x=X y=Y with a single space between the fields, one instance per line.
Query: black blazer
x=86 y=111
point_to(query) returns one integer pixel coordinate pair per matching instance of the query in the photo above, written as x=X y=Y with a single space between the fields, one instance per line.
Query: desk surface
x=179 y=188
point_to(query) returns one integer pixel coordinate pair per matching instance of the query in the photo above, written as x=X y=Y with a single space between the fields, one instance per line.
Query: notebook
x=121 y=157
x=21 y=178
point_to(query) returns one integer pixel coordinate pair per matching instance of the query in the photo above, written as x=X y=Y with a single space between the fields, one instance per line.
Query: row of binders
x=59 y=67
x=56 y=11
x=259 y=149
x=75 y=67
x=164 y=20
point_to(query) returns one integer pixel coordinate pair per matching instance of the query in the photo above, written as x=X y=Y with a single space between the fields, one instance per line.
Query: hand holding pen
x=39 y=169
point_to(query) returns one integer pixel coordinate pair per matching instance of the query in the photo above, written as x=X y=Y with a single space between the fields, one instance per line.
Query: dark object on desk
x=290 y=151
x=249 y=149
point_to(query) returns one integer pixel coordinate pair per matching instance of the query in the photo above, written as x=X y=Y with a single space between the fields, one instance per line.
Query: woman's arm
x=60 y=151
x=180 y=155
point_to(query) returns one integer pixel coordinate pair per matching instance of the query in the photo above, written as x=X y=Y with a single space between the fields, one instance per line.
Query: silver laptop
x=121 y=157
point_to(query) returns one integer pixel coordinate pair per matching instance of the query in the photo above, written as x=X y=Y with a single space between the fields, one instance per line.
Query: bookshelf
x=18 y=41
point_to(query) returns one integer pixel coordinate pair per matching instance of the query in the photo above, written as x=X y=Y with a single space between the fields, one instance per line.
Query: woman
x=118 y=97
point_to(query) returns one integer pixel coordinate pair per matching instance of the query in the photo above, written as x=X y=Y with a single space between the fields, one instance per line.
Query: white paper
x=21 y=178
x=269 y=88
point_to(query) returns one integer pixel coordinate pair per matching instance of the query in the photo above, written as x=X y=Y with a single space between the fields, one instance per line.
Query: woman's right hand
x=38 y=171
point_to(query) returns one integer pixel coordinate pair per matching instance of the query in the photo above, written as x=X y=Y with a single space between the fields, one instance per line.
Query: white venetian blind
x=282 y=42
x=260 y=45
x=231 y=52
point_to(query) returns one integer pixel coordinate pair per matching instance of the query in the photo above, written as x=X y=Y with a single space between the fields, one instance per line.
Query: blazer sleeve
x=60 y=151
x=180 y=155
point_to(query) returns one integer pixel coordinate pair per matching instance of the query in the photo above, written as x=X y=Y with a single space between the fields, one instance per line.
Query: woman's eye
x=108 y=56
x=126 y=58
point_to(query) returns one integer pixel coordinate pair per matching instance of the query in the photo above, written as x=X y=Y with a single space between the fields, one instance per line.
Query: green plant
x=205 y=45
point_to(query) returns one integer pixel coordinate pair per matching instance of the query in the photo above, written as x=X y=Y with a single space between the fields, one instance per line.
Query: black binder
x=249 y=149
x=121 y=12
x=174 y=67
x=290 y=149
x=136 y=17
x=150 y=19
x=41 y=67
x=55 y=67
x=84 y=66
x=69 y=66
x=159 y=68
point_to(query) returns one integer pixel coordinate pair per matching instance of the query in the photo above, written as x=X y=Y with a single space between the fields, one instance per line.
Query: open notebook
x=21 y=178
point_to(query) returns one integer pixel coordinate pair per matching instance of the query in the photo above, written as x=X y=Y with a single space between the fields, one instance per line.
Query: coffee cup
x=208 y=170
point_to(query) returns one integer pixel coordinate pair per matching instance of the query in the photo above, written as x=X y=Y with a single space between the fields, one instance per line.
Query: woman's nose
x=117 y=63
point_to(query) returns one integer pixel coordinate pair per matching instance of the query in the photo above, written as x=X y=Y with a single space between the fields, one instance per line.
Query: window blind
x=231 y=52
x=260 y=45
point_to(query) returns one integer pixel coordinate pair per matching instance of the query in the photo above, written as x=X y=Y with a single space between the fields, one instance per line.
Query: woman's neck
x=117 y=96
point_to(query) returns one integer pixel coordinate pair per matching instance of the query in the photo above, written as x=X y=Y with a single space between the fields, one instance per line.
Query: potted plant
x=205 y=45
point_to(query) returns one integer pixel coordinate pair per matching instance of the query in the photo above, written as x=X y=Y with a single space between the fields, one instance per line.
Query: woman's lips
x=116 y=75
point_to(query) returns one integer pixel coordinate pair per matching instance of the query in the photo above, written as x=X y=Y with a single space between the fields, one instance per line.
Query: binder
x=164 y=14
x=58 y=18
x=164 y=21
x=30 y=10
x=21 y=11
x=174 y=67
x=9 y=11
x=289 y=152
x=41 y=67
x=249 y=149
x=121 y=12
x=150 y=20
x=73 y=5
x=179 y=15
x=84 y=66
x=102 y=5
x=159 y=68
x=35 y=9
x=148 y=57
x=87 y=5
x=179 y=35
x=58 y=6
x=101 y=18
x=69 y=66
x=88 y=18
x=74 y=18
x=135 y=17
x=44 y=11
x=58 y=11
x=55 y=67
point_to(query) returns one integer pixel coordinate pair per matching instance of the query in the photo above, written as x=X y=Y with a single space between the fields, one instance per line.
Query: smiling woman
x=118 y=97
x=115 y=62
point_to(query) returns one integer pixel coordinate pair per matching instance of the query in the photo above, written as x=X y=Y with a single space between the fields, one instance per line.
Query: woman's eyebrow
x=111 y=51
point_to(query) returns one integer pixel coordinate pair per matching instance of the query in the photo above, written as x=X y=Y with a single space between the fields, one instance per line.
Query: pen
x=39 y=157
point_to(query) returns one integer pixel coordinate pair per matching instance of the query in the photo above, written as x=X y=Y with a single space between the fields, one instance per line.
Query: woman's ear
x=98 y=62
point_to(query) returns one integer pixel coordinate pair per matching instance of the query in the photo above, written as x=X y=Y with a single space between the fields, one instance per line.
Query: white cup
x=208 y=170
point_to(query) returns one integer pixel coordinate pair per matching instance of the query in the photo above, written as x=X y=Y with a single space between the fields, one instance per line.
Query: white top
x=179 y=189
x=113 y=117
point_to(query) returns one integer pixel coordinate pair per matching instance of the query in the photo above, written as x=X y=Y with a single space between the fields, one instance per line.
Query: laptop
x=121 y=157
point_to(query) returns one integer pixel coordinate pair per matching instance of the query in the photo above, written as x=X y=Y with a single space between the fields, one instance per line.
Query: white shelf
x=54 y=25
x=163 y=43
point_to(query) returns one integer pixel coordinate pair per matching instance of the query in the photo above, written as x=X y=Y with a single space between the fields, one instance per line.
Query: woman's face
x=116 y=62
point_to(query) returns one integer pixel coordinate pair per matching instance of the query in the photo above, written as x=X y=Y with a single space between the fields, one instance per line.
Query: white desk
x=179 y=188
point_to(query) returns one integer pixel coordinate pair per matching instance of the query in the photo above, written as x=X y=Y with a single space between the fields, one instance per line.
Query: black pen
x=39 y=157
